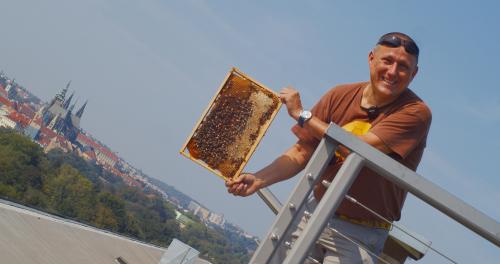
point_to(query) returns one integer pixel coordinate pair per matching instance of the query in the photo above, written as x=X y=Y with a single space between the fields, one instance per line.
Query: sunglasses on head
x=395 y=41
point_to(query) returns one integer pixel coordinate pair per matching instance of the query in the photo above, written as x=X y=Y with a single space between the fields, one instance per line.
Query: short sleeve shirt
x=402 y=125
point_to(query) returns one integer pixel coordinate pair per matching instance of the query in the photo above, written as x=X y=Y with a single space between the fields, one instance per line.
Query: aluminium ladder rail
x=275 y=243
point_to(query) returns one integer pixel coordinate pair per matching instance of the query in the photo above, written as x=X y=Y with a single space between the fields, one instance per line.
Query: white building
x=193 y=207
x=7 y=122
x=203 y=213
x=216 y=219
x=103 y=158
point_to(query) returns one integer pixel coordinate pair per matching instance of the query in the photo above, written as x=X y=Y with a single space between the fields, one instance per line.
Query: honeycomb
x=233 y=125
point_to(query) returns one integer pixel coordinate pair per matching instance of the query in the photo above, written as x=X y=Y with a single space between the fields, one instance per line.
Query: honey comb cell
x=232 y=126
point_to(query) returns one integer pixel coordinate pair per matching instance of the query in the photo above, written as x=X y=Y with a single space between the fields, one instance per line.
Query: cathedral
x=59 y=116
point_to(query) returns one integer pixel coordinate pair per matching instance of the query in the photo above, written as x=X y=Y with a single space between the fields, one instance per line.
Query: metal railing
x=271 y=248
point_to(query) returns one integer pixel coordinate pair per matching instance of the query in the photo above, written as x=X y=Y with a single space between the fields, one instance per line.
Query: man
x=384 y=113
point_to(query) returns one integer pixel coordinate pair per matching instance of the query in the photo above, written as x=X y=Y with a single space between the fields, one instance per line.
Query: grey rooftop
x=29 y=236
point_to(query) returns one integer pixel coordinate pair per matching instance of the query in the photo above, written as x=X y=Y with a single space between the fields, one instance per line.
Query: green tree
x=105 y=218
x=132 y=228
x=9 y=191
x=35 y=197
x=19 y=161
x=117 y=207
x=70 y=193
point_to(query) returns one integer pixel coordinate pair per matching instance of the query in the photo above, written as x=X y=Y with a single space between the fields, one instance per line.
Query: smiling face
x=391 y=71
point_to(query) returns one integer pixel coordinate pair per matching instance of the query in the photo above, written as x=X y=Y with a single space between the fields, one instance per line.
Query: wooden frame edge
x=204 y=165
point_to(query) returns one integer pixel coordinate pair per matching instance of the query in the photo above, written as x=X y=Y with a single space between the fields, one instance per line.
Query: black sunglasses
x=395 y=41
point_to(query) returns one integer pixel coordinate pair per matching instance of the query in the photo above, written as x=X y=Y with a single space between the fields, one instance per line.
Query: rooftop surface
x=28 y=236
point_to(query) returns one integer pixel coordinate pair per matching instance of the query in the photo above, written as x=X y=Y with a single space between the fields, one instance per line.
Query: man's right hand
x=291 y=98
x=246 y=184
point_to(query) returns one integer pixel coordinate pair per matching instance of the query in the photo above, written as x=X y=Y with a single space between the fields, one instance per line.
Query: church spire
x=80 y=112
x=62 y=95
x=73 y=106
x=68 y=102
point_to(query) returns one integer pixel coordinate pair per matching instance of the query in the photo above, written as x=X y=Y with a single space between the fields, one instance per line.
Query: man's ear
x=371 y=57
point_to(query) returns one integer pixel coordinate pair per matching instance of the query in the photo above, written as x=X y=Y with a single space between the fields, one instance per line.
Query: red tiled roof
x=125 y=177
x=27 y=110
x=45 y=136
x=5 y=101
x=61 y=139
x=44 y=141
x=3 y=92
x=81 y=137
x=19 y=118
x=108 y=153
x=38 y=121
x=47 y=132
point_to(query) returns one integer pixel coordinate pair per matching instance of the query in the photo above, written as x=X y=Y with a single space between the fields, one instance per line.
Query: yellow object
x=368 y=223
x=357 y=128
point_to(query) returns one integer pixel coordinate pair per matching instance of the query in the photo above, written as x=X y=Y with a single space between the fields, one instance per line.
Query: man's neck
x=372 y=99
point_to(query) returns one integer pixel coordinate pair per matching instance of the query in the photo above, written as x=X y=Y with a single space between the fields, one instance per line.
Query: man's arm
x=284 y=167
x=317 y=128
x=294 y=159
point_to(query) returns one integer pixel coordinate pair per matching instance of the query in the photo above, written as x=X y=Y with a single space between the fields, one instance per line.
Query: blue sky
x=150 y=68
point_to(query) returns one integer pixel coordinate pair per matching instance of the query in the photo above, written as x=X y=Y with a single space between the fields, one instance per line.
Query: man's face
x=391 y=71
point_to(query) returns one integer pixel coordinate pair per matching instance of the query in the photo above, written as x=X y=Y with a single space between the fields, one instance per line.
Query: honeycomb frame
x=227 y=160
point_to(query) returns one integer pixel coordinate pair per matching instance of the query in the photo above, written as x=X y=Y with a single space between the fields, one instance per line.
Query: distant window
x=120 y=260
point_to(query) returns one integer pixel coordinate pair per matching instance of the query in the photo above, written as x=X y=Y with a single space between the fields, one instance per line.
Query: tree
x=20 y=161
x=70 y=193
x=105 y=219
x=116 y=206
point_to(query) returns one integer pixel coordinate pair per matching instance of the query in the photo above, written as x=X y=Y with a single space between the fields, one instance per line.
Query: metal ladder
x=276 y=242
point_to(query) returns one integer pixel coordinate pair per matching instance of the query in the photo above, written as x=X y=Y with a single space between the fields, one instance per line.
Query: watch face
x=306 y=114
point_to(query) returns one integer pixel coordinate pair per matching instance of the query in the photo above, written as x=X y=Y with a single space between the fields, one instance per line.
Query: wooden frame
x=262 y=130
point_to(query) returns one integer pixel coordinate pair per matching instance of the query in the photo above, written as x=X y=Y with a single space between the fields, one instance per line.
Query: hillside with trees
x=68 y=186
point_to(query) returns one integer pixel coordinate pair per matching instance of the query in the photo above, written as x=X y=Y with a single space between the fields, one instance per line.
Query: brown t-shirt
x=402 y=125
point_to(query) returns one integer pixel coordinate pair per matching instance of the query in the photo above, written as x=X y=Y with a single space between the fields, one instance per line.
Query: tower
x=61 y=96
x=59 y=115
x=80 y=111
x=72 y=106
x=68 y=102
x=57 y=106
x=53 y=122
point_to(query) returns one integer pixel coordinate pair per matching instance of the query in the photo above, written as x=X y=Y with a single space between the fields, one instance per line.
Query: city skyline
x=53 y=125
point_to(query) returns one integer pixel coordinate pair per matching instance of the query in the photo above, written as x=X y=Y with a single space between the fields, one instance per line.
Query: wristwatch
x=303 y=117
